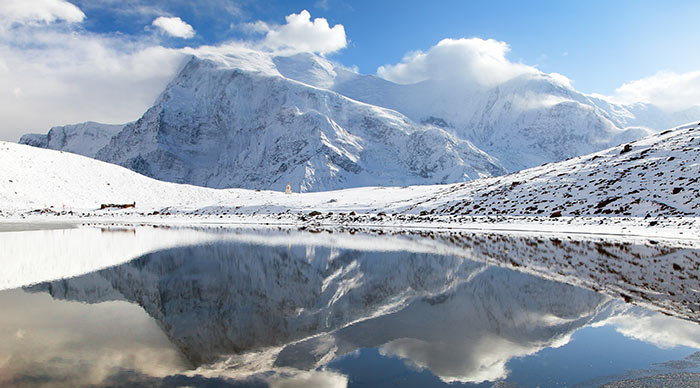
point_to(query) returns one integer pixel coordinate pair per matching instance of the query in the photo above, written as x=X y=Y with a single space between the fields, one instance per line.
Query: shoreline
x=650 y=267
x=686 y=229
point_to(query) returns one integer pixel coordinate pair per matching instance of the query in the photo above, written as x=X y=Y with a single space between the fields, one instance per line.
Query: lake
x=213 y=306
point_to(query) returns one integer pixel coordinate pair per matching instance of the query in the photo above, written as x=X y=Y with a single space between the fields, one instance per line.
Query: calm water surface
x=150 y=307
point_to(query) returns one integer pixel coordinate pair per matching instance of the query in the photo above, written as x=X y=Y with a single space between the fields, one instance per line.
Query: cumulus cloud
x=74 y=76
x=301 y=34
x=474 y=61
x=174 y=26
x=666 y=89
x=38 y=11
x=455 y=362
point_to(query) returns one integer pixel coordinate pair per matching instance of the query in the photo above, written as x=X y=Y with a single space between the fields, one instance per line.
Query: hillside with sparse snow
x=657 y=175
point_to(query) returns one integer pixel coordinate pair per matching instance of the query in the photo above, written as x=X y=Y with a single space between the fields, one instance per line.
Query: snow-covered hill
x=83 y=139
x=657 y=175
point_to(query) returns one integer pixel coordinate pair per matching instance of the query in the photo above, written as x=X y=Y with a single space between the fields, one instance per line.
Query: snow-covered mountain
x=219 y=127
x=655 y=176
x=83 y=139
x=524 y=122
x=250 y=119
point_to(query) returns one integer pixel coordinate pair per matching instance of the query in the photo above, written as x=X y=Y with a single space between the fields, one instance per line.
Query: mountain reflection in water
x=247 y=313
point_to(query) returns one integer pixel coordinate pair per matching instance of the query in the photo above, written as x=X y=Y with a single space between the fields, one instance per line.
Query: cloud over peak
x=174 y=26
x=666 y=89
x=475 y=61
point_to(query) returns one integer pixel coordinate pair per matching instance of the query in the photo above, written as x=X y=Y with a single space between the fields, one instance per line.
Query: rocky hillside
x=655 y=176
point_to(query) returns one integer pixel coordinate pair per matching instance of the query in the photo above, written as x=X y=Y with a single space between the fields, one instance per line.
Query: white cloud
x=107 y=338
x=300 y=34
x=323 y=4
x=475 y=360
x=562 y=79
x=70 y=77
x=472 y=61
x=302 y=379
x=174 y=26
x=662 y=331
x=257 y=27
x=666 y=89
x=38 y=11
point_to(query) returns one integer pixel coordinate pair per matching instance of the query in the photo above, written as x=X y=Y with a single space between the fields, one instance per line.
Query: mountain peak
x=220 y=127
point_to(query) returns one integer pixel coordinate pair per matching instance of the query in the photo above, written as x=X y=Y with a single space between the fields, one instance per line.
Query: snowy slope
x=48 y=182
x=657 y=175
x=34 y=178
x=83 y=139
x=220 y=127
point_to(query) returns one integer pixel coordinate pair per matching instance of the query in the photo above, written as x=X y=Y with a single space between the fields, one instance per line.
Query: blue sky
x=649 y=46
x=598 y=44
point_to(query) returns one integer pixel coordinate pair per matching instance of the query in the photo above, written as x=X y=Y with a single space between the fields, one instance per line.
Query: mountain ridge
x=220 y=127
x=257 y=120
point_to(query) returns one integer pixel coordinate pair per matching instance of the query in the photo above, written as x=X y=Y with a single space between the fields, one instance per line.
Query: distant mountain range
x=249 y=119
